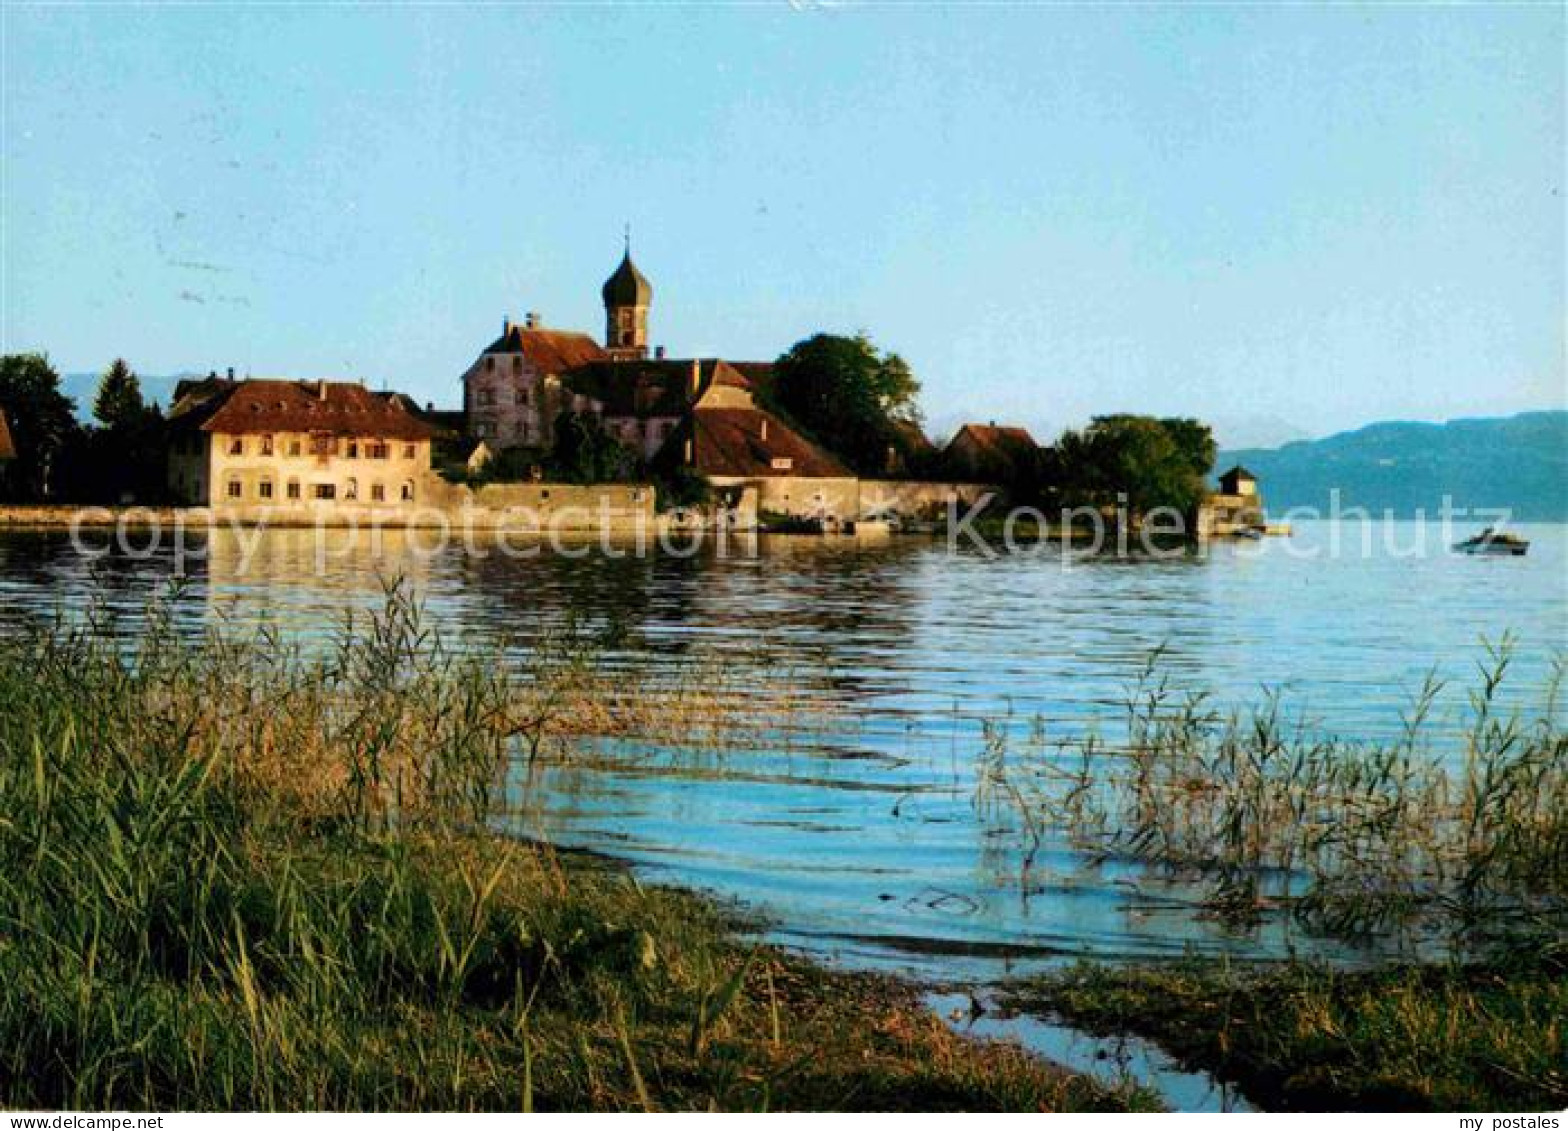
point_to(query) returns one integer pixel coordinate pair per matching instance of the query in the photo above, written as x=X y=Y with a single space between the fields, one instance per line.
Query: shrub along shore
x=234 y=877
x=1459 y=856
x=1308 y=1037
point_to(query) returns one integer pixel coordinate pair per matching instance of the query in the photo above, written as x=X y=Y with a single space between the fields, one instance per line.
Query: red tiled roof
x=240 y=408
x=446 y=422
x=758 y=373
x=644 y=388
x=999 y=438
x=729 y=442
x=988 y=451
x=7 y=448
x=550 y=351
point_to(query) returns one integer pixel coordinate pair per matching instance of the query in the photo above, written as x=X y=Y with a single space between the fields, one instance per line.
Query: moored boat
x=1490 y=541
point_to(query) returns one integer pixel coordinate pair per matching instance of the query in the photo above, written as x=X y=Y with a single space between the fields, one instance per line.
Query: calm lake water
x=859 y=837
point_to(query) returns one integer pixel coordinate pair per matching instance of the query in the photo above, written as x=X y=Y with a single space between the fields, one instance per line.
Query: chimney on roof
x=696 y=375
x=231 y=373
x=321 y=388
x=531 y=320
x=658 y=353
x=506 y=324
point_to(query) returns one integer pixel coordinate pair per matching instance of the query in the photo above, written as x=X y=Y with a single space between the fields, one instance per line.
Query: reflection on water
x=859 y=837
x=1116 y=1061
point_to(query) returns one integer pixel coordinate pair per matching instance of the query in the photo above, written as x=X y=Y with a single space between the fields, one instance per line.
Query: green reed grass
x=235 y=874
x=1303 y=1036
x=1350 y=838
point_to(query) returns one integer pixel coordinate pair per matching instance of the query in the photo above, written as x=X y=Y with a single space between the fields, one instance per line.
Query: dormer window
x=489 y=365
x=782 y=463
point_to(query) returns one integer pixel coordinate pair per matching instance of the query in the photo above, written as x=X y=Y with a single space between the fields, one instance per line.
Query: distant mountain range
x=1514 y=462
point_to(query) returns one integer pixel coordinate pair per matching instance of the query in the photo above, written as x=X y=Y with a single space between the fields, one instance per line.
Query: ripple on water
x=859 y=836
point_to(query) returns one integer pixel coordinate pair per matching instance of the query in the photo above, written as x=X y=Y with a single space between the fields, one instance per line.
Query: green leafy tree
x=684 y=487
x=42 y=423
x=1194 y=440
x=585 y=453
x=1153 y=462
x=857 y=401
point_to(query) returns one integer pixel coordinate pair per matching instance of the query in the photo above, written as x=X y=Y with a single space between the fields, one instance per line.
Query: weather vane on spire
x=628 y=237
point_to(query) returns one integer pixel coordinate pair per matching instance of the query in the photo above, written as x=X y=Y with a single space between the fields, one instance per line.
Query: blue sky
x=1317 y=215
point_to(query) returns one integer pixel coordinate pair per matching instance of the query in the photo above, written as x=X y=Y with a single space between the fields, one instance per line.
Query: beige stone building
x=1236 y=508
x=516 y=387
x=696 y=415
x=642 y=402
x=512 y=393
x=742 y=449
x=297 y=444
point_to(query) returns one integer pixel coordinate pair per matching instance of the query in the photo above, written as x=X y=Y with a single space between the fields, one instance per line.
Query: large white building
x=295 y=443
x=514 y=390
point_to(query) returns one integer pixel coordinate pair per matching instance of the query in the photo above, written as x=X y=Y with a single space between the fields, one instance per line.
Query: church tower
x=627 y=295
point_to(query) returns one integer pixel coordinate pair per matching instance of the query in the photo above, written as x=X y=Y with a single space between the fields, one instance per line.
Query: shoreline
x=1305 y=1036
x=349 y=942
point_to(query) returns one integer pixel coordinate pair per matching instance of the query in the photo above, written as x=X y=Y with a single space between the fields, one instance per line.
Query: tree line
x=857 y=401
x=118 y=456
x=861 y=404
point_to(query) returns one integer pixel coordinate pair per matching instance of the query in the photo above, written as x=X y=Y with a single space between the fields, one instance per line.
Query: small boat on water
x=1490 y=541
